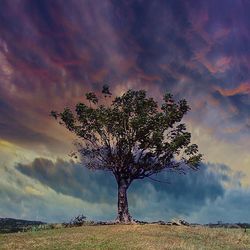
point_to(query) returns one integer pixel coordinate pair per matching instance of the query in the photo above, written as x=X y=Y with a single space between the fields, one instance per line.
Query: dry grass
x=128 y=237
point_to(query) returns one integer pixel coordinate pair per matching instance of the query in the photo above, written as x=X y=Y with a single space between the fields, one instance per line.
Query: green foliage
x=134 y=136
x=91 y=97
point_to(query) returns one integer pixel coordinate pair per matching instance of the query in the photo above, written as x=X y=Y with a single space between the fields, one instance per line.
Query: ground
x=128 y=237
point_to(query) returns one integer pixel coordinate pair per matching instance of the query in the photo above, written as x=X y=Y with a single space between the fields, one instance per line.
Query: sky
x=52 y=52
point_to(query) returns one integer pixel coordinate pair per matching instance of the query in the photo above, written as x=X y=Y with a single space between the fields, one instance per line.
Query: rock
x=141 y=222
x=179 y=223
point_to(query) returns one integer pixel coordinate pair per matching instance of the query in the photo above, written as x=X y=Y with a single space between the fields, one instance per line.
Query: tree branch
x=166 y=182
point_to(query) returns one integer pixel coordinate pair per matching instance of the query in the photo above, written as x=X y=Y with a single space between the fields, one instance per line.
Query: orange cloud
x=244 y=88
x=223 y=63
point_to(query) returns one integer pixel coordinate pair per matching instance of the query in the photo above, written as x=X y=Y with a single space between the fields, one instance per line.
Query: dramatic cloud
x=52 y=52
x=72 y=179
x=182 y=196
x=66 y=47
x=22 y=197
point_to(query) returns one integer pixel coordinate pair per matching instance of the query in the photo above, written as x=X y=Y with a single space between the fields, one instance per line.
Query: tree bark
x=123 y=213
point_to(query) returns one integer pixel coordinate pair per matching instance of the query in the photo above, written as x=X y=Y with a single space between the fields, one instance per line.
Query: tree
x=133 y=138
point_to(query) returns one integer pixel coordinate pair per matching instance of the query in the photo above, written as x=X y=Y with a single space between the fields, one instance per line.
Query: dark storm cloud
x=31 y=191
x=53 y=51
x=21 y=197
x=71 y=179
x=62 y=48
x=19 y=131
x=184 y=195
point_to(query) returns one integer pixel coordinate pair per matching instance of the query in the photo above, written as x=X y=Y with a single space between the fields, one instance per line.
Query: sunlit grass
x=129 y=237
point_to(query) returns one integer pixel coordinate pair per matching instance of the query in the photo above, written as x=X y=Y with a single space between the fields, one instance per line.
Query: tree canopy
x=133 y=137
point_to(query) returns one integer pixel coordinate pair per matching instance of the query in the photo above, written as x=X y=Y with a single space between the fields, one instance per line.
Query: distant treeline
x=8 y=225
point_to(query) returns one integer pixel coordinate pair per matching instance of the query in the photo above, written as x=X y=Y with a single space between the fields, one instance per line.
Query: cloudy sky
x=52 y=52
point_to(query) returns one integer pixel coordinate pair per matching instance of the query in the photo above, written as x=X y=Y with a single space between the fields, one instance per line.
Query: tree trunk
x=123 y=213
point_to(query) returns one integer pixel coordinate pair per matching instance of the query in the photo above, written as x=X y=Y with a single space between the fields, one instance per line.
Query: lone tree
x=133 y=138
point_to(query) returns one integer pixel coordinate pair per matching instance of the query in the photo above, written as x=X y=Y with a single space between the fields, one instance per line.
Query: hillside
x=129 y=237
x=9 y=225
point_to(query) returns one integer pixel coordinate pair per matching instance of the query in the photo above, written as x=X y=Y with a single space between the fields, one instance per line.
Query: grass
x=128 y=237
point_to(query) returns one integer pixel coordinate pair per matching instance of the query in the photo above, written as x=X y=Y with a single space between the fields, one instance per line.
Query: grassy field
x=128 y=237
